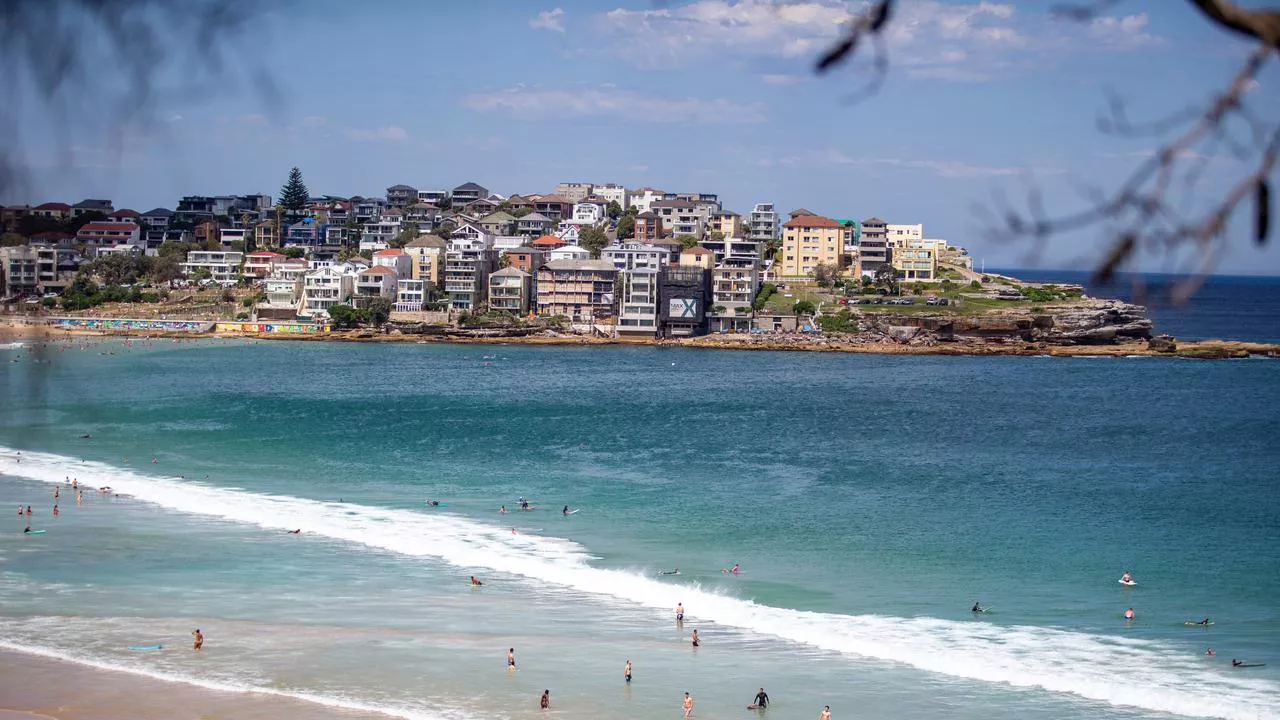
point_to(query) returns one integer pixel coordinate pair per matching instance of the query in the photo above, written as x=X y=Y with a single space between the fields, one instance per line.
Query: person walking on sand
x=545 y=702
x=199 y=639
x=687 y=705
x=826 y=713
x=511 y=659
x=626 y=671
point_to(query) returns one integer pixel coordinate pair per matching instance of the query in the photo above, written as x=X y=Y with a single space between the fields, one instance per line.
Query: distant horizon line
x=1130 y=273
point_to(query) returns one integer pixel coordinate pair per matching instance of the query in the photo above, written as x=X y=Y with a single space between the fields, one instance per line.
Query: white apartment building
x=763 y=224
x=644 y=198
x=574 y=191
x=223 y=266
x=397 y=260
x=410 y=295
x=638 y=310
x=633 y=256
x=734 y=283
x=327 y=286
x=613 y=193
x=682 y=217
x=588 y=213
x=899 y=235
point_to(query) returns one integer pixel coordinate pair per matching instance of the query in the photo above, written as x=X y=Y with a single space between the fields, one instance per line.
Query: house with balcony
x=642 y=199
x=873 y=246
x=480 y=208
x=898 y=235
x=411 y=295
x=432 y=197
x=611 y=192
x=194 y=209
x=762 y=225
x=290 y=269
x=100 y=233
x=282 y=299
x=727 y=223
x=581 y=290
x=426 y=259
x=682 y=217
x=633 y=256
x=638 y=306
x=570 y=234
x=468 y=193
x=697 y=256
x=367 y=209
x=553 y=207
x=915 y=260
x=732 y=247
x=734 y=284
x=375 y=282
x=19 y=271
x=425 y=216
x=222 y=265
x=384 y=229
x=261 y=264
x=400 y=195
x=510 y=290
x=56 y=266
x=547 y=243
x=574 y=191
x=648 y=227
x=228 y=236
x=588 y=213
x=399 y=261
x=306 y=233
x=534 y=225
x=325 y=287
x=468 y=262
x=809 y=241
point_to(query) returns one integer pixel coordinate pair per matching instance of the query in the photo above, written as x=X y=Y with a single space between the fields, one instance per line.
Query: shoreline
x=34 y=685
x=22 y=330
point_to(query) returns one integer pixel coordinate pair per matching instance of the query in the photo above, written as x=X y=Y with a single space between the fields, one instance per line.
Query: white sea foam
x=12 y=346
x=1119 y=671
x=228 y=686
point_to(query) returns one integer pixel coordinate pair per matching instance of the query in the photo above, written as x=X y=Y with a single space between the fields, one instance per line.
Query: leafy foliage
x=593 y=239
x=841 y=322
x=825 y=275
x=686 y=241
x=627 y=227
x=765 y=292
x=804 y=307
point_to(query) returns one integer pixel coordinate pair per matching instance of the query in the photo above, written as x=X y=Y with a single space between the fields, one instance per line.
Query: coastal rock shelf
x=1089 y=322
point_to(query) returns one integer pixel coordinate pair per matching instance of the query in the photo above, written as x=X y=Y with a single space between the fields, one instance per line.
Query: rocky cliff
x=1086 y=322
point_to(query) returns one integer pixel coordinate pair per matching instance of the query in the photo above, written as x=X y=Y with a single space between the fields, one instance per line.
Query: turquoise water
x=870 y=501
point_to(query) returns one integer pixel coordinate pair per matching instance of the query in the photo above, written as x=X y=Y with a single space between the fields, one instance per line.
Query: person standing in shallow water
x=687 y=705
x=511 y=659
x=199 y=639
x=826 y=713
x=696 y=641
x=545 y=702
x=626 y=671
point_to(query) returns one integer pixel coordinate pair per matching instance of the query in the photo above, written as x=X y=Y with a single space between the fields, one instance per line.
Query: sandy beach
x=33 y=686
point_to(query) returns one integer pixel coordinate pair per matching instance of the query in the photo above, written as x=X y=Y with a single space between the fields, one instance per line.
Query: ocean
x=870 y=501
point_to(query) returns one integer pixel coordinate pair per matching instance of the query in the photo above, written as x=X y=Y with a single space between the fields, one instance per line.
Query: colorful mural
x=272 y=327
x=129 y=325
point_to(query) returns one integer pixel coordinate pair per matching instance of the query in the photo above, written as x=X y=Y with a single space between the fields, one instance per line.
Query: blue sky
x=983 y=101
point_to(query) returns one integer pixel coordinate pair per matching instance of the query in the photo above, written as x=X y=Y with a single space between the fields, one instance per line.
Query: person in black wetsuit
x=762 y=699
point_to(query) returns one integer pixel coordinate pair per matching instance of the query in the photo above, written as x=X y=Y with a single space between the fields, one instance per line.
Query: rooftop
x=580 y=265
x=810 y=221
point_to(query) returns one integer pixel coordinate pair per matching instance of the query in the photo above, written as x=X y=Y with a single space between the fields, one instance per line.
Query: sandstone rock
x=1162 y=344
x=902 y=333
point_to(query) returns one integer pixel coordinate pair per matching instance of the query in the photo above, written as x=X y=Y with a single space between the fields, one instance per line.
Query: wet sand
x=38 y=688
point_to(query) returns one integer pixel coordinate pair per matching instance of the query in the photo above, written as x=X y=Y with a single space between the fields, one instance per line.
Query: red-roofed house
x=107 y=234
x=55 y=210
x=126 y=215
x=546 y=243
x=810 y=240
x=377 y=281
x=261 y=264
x=396 y=260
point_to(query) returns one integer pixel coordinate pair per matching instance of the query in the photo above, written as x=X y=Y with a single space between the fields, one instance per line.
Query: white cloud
x=393 y=133
x=612 y=103
x=1122 y=33
x=550 y=20
x=783 y=79
x=175 y=118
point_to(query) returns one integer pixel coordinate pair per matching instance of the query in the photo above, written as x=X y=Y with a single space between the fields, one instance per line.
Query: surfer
x=977 y=607
x=687 y=705
x=545 y=702
x=1205 y=621
x=669 y=572
x=27 y=530
x=679 y=612
x=85 y=436
x=1127 y=577
x=565 y=511
x=199 y=639
x=294 y=532
x=733 y=570
x=1236 y=663
x=511 y=659
x=524 y=504
x=1210 y=652
x=762 y=700
x=475 y=582
x=1128 y=614
x=626 y=671
x=696 y=641
x=433 y=503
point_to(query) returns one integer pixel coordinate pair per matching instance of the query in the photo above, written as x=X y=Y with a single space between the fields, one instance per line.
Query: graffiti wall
x=127 y=325
x=272 y=327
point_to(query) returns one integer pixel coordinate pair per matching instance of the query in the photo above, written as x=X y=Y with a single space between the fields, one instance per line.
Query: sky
x=985 y=107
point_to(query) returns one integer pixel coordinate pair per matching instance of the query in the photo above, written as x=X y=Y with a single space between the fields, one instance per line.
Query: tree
x=344 y=316
x=804 y=307
x=825 y=275
x=765 y=292
x=165 y=269
x=29 y=225
x=627 y=227
x=686 y=241
x=117 y=269
x=173 y=248
x=886 y=277
x=376 y=312
x=594 y=239
x=12 y=240
x=294 y=252
x=1146 y=210
x=405 y=236
x=614 y=210
x=520 y=212
x=716 y=235
x=294 y=195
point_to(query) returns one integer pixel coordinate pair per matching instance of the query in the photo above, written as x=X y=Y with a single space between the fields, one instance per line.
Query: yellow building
x=916 y=260
x=808 y=240
x=727 y=223
x=427 y=253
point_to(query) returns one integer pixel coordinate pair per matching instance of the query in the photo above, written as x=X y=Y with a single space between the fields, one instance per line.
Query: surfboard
x=146 y=647
x=1129 y=583
x=36 y=532
x=1195 y=623
x=438 y=505
x=1250 y=665
x=574 y=511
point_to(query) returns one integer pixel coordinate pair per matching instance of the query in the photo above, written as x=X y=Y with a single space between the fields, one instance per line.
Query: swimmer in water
x=294 y=532
x=475 y=582
x=1128 y=614
x=503 y=509
x=1210 y=652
